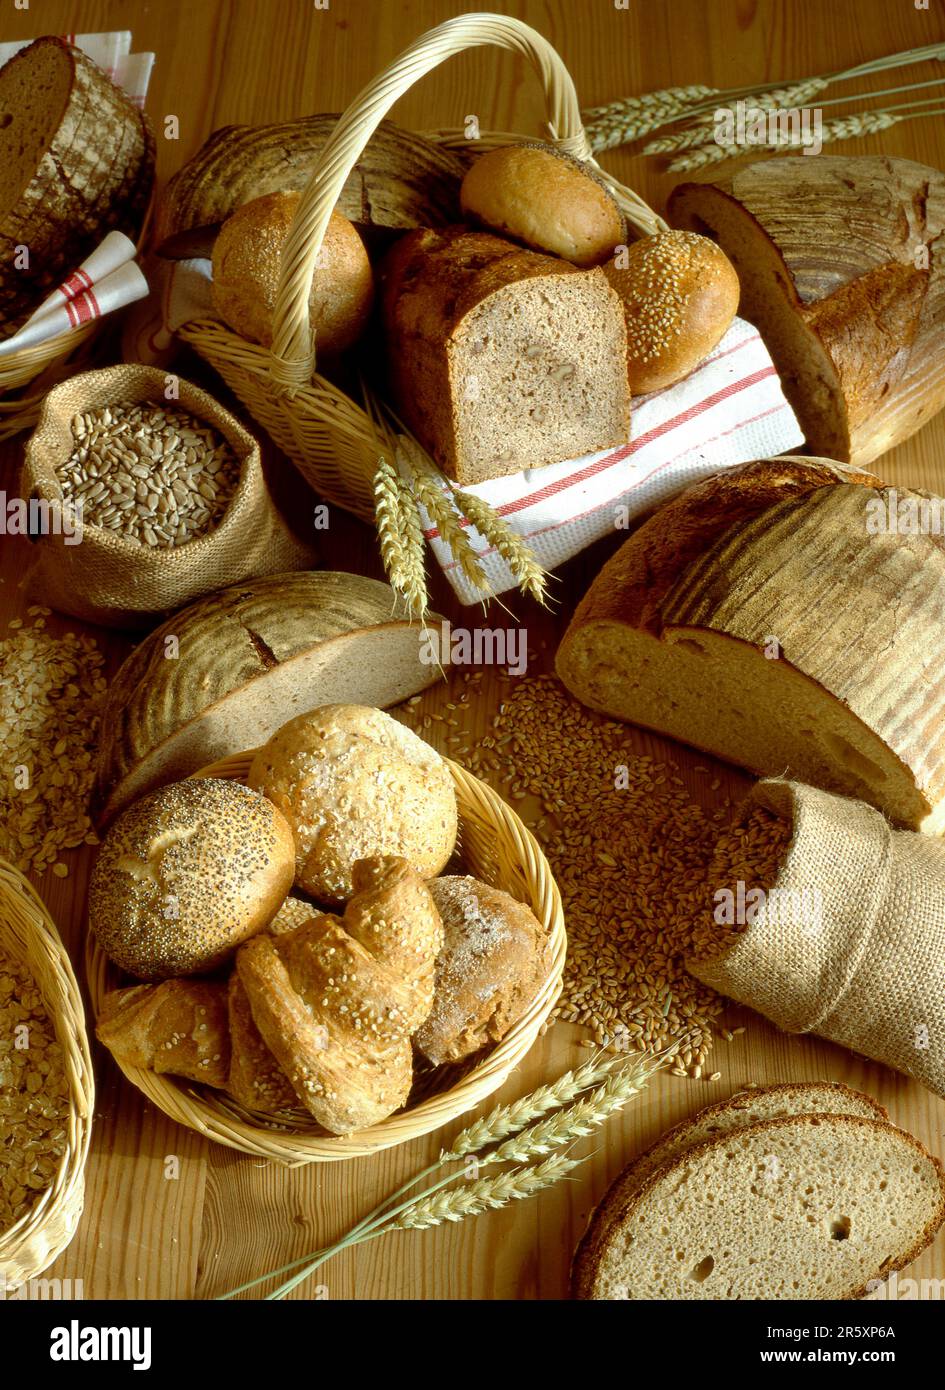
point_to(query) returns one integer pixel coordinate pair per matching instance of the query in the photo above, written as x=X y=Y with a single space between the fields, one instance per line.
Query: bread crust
x=582 y=1288
x=614 y=1203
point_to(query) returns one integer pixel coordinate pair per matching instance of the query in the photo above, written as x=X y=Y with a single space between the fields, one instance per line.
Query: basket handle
x=293 y=357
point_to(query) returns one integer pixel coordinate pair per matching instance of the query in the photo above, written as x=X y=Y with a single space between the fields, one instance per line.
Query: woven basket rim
x=28 y=931
x=221 y=1120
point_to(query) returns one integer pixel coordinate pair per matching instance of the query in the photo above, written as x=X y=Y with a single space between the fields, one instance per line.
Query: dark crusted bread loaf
x=759 y=618
x=842 y=267
x=502 y=359
x=76 y=161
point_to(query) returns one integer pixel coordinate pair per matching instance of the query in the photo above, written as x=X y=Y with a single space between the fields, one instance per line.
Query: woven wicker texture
x=496 y=847
x=328 y=435
x=28 y=934
x=116 y=580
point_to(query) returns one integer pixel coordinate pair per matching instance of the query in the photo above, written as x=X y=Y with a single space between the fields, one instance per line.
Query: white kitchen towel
x=730 y=410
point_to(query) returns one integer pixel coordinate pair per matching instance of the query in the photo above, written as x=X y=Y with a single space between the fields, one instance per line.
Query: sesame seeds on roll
x=186 y=874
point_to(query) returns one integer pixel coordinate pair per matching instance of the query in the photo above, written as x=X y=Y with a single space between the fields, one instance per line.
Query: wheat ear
x=485 y=1194
x=401 y=538
x=844 y=128
x=531 y=576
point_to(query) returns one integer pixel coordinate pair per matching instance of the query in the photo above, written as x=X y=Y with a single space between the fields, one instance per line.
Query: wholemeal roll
x=680 y=295
x=546 y=199
x=186 y=874
x=492 y=963
x=247 y=259
x=354 y=783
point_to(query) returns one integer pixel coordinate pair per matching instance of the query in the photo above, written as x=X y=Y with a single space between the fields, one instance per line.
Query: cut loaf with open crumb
x=502 y=359
x=799 y=1207
x=842 y=268
x=743 y=1108
x=757 y=617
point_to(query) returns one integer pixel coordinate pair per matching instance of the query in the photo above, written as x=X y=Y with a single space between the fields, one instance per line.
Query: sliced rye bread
x=744 y=1108
x=800 y=1207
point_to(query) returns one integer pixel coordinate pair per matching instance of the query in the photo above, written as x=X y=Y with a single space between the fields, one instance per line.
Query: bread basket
x=495 y=846
x=334 y=440
x=28 y=934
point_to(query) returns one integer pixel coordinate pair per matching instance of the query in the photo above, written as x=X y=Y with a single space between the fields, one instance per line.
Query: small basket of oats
x=46 y=1086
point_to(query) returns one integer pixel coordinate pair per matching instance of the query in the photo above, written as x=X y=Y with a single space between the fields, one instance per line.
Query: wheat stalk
x=531 y=576
x=700 y=134
x=844 y=128
x=484 y=1194
x=401 y=538
x=446 y=518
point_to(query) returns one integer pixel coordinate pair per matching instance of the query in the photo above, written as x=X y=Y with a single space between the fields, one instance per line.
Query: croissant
x=322 y=1013
x=338 y=999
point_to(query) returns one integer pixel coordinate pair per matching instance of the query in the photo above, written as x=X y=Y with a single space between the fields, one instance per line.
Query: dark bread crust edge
x=602 y=1216
x=582 y=1280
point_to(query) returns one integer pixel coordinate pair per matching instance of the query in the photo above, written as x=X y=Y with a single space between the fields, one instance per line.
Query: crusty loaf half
x=757 y=617
x=842 y=267
x=744 y=1108
x=502 y=359
x=248 y=659
x=801 y=1207
x=76 y=161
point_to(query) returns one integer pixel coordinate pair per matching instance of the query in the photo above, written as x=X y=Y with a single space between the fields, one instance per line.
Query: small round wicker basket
x=331 y=438
x=494 y=846
x=28 y=935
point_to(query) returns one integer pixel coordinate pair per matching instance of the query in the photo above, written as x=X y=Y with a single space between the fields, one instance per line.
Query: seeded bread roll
x=354 y=783
x=186 y=874
x=490 y=968
x=680 y=294
x=247 y=259
x=546 y=199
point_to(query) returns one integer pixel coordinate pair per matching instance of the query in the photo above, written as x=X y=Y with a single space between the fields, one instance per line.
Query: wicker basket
x=28 y=934
x=496 y=847
x=33 y=371
x=329 y=436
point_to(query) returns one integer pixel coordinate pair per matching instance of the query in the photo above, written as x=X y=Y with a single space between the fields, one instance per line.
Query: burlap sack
x=863 y=962
x=116 y=581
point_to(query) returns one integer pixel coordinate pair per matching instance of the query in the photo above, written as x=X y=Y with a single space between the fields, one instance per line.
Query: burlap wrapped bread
x=117 y=581
x=848 y=939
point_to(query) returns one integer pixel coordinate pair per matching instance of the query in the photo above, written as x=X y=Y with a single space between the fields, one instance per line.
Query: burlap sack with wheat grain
x=117 y=581
x=861 y=957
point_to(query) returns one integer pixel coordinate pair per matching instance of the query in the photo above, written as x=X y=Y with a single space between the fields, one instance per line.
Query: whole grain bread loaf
x=76 y=162
x=808 y=1207
x=759 y=617
x=502 y=359
x=842 y=267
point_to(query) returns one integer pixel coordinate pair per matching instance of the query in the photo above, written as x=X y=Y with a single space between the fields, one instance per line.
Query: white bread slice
x=743 y=1108
x=756 y=617
x=801 y=1207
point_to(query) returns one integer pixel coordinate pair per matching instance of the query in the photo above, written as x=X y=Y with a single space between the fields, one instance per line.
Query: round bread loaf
x=247 y=258
x=680 y=294
x=353 y=783
x=546 y=199
x=489 y=970
x=186 y=874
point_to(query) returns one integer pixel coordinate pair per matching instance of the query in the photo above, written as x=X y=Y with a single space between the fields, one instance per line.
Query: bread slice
x=744 y=1108
x=248 y=659
x=76 y=161
x=799 y=1207
x=841 y=267
x=757 y=618
x=502 y=359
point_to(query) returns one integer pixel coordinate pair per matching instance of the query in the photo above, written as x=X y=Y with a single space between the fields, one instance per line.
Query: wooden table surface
x=228 y=1217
